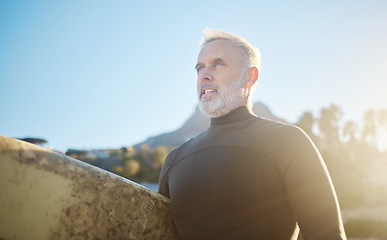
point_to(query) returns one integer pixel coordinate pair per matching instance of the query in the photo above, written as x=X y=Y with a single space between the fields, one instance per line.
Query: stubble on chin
x=227 y=100
x=213 y=108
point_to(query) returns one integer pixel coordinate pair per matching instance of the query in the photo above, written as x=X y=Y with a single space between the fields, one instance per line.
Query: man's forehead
x=219 y=48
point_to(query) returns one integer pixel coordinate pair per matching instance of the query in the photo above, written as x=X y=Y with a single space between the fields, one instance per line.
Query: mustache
x=207 y=85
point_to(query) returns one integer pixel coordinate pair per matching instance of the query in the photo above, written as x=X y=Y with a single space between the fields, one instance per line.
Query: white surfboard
x=47 y=195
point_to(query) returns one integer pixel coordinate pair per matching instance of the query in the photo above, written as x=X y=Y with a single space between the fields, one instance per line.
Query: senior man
x=246 y=177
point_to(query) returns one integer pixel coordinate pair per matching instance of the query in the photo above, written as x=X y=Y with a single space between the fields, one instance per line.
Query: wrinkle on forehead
x=223 y=49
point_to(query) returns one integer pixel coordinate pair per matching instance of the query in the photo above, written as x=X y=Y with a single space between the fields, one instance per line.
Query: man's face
x=220 y=83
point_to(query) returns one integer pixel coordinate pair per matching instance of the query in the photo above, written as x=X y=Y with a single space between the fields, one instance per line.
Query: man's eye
x=218 y=64
x=198 y=69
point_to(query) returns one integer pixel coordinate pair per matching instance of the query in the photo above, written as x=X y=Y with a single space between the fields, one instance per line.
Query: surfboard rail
x=47 y=195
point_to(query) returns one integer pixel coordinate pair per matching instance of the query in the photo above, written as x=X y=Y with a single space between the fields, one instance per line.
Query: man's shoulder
x=172 y=155
x=278 y=132
x=275 y=124
x=272 y=126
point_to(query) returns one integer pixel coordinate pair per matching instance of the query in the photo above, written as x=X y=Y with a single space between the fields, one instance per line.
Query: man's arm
x=163 y=180
x=309 y=188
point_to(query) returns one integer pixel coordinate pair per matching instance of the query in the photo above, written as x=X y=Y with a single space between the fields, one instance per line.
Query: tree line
x=333 y=130
x=349 y=149
x=143 y=164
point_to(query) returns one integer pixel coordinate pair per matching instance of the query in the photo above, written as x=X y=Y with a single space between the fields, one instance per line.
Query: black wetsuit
x=250 y=178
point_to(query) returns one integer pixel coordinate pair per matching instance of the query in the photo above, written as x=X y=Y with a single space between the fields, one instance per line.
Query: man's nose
x=205 y=75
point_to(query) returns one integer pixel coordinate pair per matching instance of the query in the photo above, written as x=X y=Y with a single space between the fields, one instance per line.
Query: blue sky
x=106 y=74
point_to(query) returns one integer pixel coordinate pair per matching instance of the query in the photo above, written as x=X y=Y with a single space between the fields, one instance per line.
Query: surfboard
x=47 y=195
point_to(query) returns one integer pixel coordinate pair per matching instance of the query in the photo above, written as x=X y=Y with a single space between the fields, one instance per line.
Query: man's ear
x=253 y=77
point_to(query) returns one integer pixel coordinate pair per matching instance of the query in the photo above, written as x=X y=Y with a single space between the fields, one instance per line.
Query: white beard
x=229 y=98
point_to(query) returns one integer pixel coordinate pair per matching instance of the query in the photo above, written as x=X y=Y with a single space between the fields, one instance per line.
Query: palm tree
x=329 y=123
x=306 y=122
x=369 y=133
x=349 y=131
x=381 y=117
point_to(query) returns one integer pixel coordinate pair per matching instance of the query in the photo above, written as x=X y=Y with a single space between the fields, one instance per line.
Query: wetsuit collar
x=237 y=115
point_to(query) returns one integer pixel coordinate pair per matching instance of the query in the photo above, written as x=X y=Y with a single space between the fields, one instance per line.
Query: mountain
x=196 y=124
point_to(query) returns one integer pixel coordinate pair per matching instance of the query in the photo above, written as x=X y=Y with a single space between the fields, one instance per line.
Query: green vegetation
x=139 y=165
x=144 y=164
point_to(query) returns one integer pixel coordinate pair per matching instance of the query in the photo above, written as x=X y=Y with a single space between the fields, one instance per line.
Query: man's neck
x=246 y=106
x=239 y=114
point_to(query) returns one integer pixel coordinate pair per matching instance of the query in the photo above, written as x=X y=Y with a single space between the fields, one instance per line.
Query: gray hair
x=252 y=54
